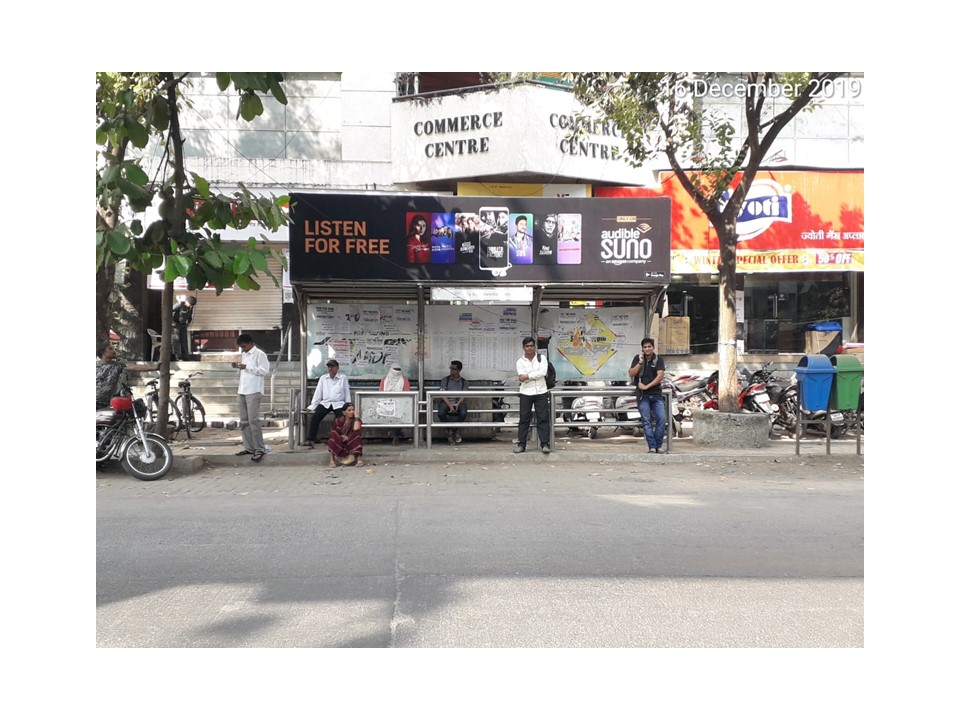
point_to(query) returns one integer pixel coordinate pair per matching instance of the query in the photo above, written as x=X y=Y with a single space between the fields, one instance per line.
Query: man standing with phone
x=253 y=367
x=647 y=370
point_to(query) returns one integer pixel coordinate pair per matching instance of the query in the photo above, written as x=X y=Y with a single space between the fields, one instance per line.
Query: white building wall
x=334 y=133
x=827 y=135
x=338 y=132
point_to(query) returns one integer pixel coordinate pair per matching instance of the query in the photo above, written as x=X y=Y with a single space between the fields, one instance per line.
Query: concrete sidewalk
x=218 y=447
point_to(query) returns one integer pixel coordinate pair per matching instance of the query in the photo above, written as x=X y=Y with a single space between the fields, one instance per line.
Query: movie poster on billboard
x=462 y=239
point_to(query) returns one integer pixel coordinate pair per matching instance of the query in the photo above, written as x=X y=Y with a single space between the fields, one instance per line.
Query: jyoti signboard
x=791 y=221
x=444 y=239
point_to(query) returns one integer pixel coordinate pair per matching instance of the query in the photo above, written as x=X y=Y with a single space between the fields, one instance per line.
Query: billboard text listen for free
x=791 y=221
x=457 y=239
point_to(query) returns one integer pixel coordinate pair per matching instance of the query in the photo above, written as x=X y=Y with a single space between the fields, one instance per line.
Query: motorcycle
x=712 y=388
x=755 y=397
x=787 y=416
x=767 y=393
x=121 y=435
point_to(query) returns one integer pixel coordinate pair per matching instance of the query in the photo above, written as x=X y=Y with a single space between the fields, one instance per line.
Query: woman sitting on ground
x=346 y=441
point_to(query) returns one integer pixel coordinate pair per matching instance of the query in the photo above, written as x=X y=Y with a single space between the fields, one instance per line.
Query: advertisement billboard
x=791 y=221
x=461 y=239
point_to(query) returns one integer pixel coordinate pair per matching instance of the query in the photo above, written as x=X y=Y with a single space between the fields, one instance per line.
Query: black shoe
x=519 y=449
x=545 y=449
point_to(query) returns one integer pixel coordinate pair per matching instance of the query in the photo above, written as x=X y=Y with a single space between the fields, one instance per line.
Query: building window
x=777 y=308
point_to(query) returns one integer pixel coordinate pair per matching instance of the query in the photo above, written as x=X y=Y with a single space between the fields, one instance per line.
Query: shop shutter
x=244 y=310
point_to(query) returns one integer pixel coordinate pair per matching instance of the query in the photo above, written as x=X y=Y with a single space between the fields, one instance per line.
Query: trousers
x=250 y=430
x=654 y=419
x=318 y=415
x=541 y=405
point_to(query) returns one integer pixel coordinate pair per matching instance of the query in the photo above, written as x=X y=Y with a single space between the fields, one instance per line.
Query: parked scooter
x=588 y=408
x=121 y=435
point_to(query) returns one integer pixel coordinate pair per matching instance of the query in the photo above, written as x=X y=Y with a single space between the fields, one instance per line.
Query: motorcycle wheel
x=677 y=422
x=134 y=465
x=838 y=431
x=787 y=415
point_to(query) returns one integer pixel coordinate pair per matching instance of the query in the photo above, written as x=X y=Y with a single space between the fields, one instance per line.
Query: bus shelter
x=420 y=280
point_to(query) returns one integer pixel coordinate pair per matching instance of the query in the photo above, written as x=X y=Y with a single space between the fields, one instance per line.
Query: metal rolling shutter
x=242 y=309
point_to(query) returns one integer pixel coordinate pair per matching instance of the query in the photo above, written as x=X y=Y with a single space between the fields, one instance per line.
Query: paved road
x=502 y=554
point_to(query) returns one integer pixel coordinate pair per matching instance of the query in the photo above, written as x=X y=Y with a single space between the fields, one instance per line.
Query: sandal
x=360 y=463
x=258 y=456
x=244 y=452
x=307 y=444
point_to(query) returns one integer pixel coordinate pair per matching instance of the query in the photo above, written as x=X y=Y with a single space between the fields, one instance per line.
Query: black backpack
x=551 y=375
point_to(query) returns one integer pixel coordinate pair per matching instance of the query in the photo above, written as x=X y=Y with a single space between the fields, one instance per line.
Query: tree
x=132 y=108
x=663 y=113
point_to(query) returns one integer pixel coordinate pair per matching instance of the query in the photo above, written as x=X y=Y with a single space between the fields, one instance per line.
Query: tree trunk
x=728 y=389
x=104 y=288
x=166 y=304
x=163 y=388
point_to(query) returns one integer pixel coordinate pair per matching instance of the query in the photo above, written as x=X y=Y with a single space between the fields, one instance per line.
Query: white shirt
x=332 y=392
x=257 y=368
x=536 y=369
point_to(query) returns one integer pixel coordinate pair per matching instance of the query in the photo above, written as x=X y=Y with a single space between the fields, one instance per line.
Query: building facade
x=415 y=136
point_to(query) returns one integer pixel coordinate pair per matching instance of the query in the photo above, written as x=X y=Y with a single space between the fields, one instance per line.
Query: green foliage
x=665 y=114
x=132 y=108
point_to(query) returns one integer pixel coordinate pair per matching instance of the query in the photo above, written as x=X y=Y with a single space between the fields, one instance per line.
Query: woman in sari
x=346 y=440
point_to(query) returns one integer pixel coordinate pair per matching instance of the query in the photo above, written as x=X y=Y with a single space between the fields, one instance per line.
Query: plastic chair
x=154 y=343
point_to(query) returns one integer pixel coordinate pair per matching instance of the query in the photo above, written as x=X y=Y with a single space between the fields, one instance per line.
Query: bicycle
x=183 y=413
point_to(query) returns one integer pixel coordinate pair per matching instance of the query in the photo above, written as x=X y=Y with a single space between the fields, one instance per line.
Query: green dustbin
x=845 y=394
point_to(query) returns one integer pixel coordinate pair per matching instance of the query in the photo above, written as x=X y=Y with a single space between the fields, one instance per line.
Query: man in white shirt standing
x=332 y=393
x=253 y=367
x=532 y=372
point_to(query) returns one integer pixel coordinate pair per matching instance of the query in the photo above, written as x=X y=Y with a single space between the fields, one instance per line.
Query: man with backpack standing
x=534 y=396
x=647 y=372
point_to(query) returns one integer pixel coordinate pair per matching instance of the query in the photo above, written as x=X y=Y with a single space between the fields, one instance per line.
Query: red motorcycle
x=121 y=435
x=749 y=392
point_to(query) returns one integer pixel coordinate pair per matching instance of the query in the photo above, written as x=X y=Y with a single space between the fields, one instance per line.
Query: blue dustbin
x=815 y=375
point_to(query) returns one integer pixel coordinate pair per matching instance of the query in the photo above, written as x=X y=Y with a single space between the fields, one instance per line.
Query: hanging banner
x=790 y=221
x=456 y=239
